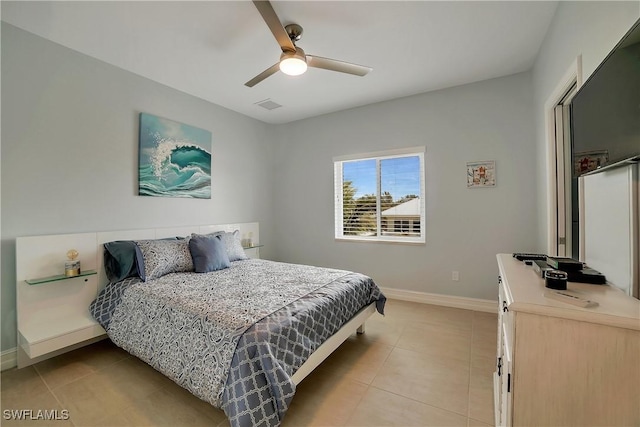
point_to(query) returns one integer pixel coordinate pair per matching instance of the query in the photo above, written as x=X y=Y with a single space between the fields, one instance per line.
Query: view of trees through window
x=395 y=182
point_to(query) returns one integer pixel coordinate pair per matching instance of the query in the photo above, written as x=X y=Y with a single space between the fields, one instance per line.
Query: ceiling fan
x=293 y=60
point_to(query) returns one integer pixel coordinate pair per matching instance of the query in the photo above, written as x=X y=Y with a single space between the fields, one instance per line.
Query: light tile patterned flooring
x=420 y=365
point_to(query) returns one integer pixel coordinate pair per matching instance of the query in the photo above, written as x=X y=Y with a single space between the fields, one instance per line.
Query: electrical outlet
x=455 y=276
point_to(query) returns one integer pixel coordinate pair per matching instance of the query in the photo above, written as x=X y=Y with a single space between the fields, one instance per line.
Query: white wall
x=70 y=153
x=465 y=228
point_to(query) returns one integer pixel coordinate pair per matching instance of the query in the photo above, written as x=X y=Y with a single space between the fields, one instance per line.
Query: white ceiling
x=209 y=49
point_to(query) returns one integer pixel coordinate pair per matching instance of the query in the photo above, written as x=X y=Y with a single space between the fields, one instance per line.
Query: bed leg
x=360 y=329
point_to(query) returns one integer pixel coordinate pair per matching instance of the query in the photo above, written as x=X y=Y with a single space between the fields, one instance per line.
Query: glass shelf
x=58 y=277
x=252 y=247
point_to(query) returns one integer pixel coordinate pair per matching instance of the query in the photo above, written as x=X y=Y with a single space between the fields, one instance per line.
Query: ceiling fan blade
x=263 y=75
x=335 y=65
x=274 y=24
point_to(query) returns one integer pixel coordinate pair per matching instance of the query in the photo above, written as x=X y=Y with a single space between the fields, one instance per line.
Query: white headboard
x=38 y=256
x=53 y=316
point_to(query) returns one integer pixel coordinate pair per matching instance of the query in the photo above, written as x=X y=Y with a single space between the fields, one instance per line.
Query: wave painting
x=175 y=159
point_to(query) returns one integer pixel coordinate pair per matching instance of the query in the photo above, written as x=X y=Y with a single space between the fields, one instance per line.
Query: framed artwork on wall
x=481 y=174
x=589 y=161
x=174 y=159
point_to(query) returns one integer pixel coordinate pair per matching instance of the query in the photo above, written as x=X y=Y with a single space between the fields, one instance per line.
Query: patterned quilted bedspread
x=234 y=337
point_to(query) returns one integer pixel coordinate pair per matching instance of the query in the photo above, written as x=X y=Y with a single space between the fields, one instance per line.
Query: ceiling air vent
x=268 y=104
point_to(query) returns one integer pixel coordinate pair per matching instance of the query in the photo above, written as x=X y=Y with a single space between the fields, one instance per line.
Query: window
x=380 y=196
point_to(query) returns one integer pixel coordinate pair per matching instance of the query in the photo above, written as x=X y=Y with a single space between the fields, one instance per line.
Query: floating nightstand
x=53 y=309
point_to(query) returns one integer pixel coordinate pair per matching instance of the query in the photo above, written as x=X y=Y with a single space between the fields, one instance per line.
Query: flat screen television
x=605 y=112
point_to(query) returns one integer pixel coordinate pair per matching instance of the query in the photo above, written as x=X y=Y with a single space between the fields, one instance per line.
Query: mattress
x=234 y=337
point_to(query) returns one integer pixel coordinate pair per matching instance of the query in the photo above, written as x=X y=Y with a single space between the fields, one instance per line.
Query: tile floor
x=420 y=365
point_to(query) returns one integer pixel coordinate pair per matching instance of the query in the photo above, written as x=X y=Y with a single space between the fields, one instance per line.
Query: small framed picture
x=481 y=174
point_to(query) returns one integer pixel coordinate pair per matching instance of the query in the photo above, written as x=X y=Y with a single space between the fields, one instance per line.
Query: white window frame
x=378 y=156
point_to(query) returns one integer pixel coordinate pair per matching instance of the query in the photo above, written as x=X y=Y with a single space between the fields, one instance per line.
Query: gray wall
x=69 y=160
x=70 y=153
x=590 y=29
x=465 y=228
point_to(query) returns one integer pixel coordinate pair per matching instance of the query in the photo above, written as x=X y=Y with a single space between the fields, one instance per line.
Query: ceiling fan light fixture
x=293 y=63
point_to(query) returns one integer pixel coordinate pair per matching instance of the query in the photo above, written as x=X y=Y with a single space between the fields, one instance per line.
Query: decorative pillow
x=233 y=244
x=164 y=256
x=208 y=253
x=122 y=259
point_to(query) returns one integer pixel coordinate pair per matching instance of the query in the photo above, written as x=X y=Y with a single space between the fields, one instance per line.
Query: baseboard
x=9 y=359
x=488 y=306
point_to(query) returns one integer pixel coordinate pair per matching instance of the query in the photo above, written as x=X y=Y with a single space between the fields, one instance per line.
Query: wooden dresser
x=563 y=365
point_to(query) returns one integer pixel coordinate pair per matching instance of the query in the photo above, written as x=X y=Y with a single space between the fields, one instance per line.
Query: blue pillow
x=208 y=253
x=122 y=259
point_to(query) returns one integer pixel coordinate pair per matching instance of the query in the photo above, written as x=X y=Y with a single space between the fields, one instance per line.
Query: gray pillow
x=208 y=253
x=232 y=242
x=164 y=256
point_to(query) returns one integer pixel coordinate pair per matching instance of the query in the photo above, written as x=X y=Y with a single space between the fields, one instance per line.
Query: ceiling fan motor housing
x=299 y=53
x=294 y=31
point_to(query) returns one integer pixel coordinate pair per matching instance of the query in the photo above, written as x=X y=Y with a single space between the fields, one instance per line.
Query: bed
x=239 y=337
